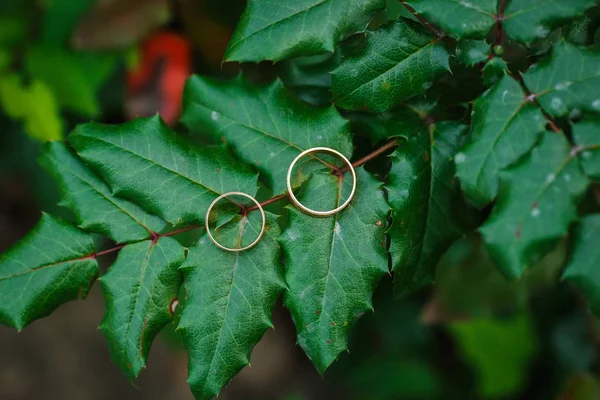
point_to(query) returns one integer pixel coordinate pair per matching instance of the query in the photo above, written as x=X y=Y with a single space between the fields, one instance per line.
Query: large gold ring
x=315 y=212
x=262 y=229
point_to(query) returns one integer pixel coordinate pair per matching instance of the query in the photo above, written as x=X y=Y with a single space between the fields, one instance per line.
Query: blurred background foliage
x=473 y=335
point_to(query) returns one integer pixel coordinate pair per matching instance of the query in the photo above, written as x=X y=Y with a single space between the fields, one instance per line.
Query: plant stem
x=437 y=32
x=244 y=210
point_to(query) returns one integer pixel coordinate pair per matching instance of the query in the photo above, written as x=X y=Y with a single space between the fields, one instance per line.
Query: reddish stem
x=186 y=229
x=437 y=32
x=265 y=203
x=101 y=253
x=372 y=155
x=245 y=210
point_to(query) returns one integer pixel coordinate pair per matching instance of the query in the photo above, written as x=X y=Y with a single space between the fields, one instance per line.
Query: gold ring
x=262 y=213
x=306 y=209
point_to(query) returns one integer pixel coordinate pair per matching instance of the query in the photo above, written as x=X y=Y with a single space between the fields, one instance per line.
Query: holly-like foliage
x=481 y=114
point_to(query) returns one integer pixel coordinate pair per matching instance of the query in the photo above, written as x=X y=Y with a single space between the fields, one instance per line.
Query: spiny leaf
x=529 y=20
x=494 y=70
x=567 y=80
x=427 y=207
x=536 y=204
x=585 y=134
x=471 y=52
x=228 y=305
x=334 y=263
x=309 y=78
x=139 y=289
x=504 y=127
x=145 y=162
x=90 y=199
x=405 y=120
x=274 y=30
x=51 y=265
x=266 y=125
x=459 y=18
x=582 y=267
x=391 y=64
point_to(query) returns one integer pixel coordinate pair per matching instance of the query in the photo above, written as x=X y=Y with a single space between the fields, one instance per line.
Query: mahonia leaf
x=51 y=265
x=585 y=134
x=494 y=70
x=391 y=64
x=504 y=127
x=309 y=78
x=91 y=200
x=567 y=80
x=228 y=305
x=274 y=30
x=459 y=18
x=333 y=264
x=582 y=267
x=522 y=20
x=536 y=204
x=139 y=289
x=266 y=125
x=404 y=120
x=582 y=30
x=471 y=52
x=428 y=211
x=529 y=20
x=145 y=162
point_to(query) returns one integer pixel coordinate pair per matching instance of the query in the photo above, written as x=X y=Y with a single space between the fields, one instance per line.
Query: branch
x=532 y=97
x=372 y=155
x=437 y=32
x=499 y=20
x=245 y=210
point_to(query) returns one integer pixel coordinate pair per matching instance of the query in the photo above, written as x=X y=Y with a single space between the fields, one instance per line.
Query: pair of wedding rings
x=291 y=194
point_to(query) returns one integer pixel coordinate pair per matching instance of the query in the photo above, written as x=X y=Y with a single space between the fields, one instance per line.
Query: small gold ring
x=306 y=209
x=262 y=229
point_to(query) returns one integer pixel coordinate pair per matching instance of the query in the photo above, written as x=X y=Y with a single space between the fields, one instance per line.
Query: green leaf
x=585 y=134
x=494 y=70
x=458 y=18
x=266 y=125
x=567 y=80
x=73 y=78
x=147 y=163
x=391 y=64
x=333 y=264
x=504 y=127
x=499 y=350
x=582 y=267
x=404 y=120
x=427 y=208
x=51 y=265
x=228 y=306
x=536 y=204
x=529 y=20
x=309 y=77
x=471 y=52
x=139 y=289
x=273 y=30
x=91 y=200
x=42 y=122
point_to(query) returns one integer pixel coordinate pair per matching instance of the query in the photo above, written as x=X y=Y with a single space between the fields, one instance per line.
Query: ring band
x=303 y=207
x=262 y=229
